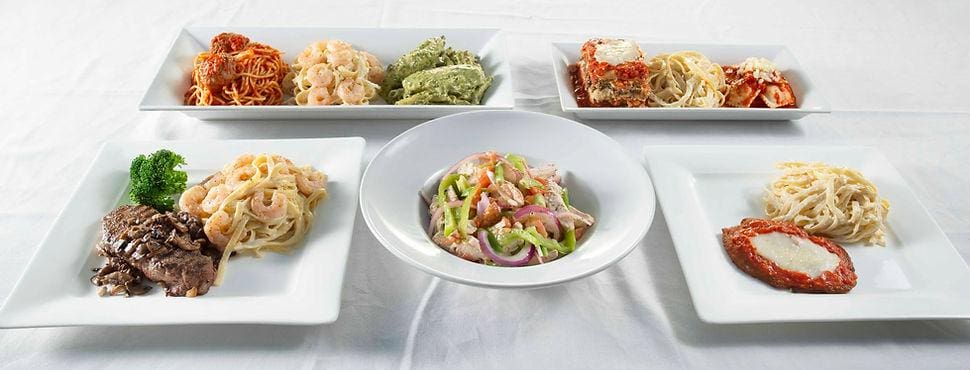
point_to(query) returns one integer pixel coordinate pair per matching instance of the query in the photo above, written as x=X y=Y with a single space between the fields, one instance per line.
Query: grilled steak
x=785 y=256
x=168 y=248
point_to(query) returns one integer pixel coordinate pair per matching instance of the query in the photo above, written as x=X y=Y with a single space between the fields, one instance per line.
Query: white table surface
x=895 y=73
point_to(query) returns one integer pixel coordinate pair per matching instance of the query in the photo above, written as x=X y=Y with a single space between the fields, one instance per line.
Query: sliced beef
x=168 y=248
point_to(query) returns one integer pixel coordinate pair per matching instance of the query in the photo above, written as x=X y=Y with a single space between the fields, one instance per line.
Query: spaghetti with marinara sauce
x=237 y=71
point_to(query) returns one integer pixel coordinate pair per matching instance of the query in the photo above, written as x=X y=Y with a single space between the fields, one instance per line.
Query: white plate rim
x=389 y=245
x=324 y=315
x=338 y=111
x=703 y=304
x=661 y=113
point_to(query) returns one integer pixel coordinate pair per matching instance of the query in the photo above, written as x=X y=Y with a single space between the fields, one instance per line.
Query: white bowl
x=603 y=180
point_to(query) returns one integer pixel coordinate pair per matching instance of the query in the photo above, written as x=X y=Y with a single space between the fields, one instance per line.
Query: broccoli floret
x=155 y=181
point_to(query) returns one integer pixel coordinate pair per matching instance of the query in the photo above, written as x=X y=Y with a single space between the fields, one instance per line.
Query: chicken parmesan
x=610 y=73
x=756 y=82
x=786 y=257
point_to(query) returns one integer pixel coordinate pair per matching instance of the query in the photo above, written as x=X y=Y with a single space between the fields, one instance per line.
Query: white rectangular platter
x=302 y=287
x=702 y=189
x=166 y=91
x=809 y=99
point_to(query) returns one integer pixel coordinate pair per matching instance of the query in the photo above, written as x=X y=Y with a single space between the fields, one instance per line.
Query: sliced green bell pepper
x=569 y=241
x=462 y=184
x=450 y=223
x=443 y=186
x=517 y=161
x=529 y=183
x=531 y=236
x=540 y=200
x=449 y=216
x=466 y=208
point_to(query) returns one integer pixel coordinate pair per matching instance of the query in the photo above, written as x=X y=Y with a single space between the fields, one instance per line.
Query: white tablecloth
x=894 y=72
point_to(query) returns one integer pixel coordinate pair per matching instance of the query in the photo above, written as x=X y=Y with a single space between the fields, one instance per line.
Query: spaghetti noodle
x=237 y=71
x=257 y=203
x=835 y=202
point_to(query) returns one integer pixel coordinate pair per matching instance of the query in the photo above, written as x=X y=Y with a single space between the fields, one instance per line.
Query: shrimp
x=243 y=160
x=240 y=175
x=320 y=96
x=213 y=200
x=334 y=46
x=320 y=75
x=308 y=184
x=375 y=71
x=217 y=228
x=340 y=53
x=191 y=200
x=279 y=159
x=213 y=180
x=314 y=54
x=343 y=58
x=273 y=211
x=351 y=92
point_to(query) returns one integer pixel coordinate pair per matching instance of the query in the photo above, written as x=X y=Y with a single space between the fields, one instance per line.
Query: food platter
x=392 y=207
x=702 y=189
x=810 y=98
x=301 y=287
x=166 y=91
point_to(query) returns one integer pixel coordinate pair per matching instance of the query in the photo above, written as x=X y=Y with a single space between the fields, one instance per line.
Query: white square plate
x=806 y=94
x=168 y=88
x=917 y=275
x=298 y=288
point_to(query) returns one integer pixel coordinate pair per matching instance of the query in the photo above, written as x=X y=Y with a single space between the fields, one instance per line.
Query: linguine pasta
x=331 y=72
x=257 y=203
x=685 y=79
x=835 y=202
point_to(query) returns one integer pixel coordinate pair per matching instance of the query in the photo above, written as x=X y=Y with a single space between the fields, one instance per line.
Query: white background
x=896 y=74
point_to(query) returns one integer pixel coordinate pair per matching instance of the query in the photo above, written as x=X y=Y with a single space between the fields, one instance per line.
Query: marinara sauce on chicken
x=786 y=257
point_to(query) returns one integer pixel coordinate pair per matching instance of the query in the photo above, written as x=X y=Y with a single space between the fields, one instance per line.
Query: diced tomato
x=534 y=221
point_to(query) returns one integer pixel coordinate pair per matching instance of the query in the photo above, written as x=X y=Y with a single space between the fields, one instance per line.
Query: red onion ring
x=548 y=218
x=482 y=203
x=518 y=259
x=432 y=227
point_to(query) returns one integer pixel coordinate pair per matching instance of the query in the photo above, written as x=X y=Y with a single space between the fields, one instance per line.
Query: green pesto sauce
x=435 y=74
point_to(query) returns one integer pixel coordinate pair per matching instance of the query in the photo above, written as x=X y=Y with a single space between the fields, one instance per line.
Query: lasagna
x=756 y=82
x=611 y=73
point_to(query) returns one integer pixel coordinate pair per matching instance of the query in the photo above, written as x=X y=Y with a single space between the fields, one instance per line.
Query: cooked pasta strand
x=835 y=202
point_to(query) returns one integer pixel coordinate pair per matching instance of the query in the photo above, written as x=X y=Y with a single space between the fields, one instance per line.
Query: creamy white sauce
x=617 y=52
x=794 y=253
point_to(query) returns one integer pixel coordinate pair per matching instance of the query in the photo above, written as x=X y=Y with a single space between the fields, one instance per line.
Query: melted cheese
x=617 y=52
x=794 y=253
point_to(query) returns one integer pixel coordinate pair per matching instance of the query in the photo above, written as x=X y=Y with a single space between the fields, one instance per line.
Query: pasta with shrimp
x=331 y=72
x=255 y=204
